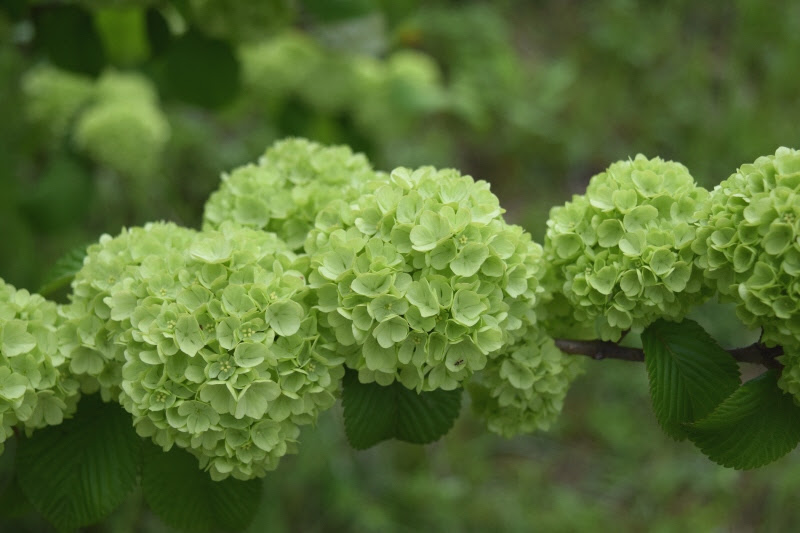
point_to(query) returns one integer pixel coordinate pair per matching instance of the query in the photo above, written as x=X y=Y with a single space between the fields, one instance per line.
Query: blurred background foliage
x=118 y=112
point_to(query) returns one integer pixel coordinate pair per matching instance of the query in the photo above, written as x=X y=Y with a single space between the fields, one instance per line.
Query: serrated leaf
x=689 y=373
x=374 y=413
x=186 y=498
x=63 y=271
x=756 y=425
x=76 y=473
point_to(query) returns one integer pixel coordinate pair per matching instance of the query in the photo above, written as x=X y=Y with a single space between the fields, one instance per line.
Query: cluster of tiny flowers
x=124 y=129
x=96 y=352
x=54 y=97
x=222 y=355
x=424 y=277
x=292 y=182
x=622 y=252
x=36 y=389
x=523 y=390
x=750 y=250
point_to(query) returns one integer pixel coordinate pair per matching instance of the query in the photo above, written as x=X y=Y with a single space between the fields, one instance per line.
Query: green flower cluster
x=124 y=128
x=54 y=97
x=750 y=250
x=523 y=390
x=292 y=182
x=423 y=277
x=36 y=388
x=222 y=354
x=97 y=354
x=622 y=252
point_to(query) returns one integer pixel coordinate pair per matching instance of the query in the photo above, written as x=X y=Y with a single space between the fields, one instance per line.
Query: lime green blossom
x=621 y=253
x=124 y=129
x=523 y=389
x=750 y=250
x=423 y=277
x=222 y=355
x=292 y=182
x=97 y=354
x=54 y=97
x=36 y=389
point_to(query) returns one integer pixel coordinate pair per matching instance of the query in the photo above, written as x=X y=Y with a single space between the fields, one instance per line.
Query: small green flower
x=36 y=388
x=523 y=389
x=750 y=249
x=422 y=278
x=621 y=254
x=292 y=182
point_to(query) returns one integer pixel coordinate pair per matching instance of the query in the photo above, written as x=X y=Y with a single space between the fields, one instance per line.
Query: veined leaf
x=76 y=473
x=756 y=425
x=374 y=413
x=689 y=373
x=186 y=498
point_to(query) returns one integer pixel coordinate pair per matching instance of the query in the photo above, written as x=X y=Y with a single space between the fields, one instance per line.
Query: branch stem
x=756 y=353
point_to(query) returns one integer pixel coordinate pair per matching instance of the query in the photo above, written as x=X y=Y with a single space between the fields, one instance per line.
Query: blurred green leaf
x=68 y=38
x=374 y=413
x=76 y=473
x=756 y=425
x=123 y=31
x=689 y=373
x=199 y=70
x=158 y=33
x=63 y=271
x=185 y=497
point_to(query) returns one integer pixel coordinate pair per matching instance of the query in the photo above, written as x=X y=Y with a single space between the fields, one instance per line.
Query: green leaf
x=76 y=473
x=199 y=70
x=67 y=36
x=373 y=413
x=689 y=373
x=186 y=498
x=63 y=271
x=756 y=425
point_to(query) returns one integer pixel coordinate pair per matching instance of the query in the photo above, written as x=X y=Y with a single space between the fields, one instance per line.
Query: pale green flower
x=292 y=182
x=750 y=250
x=36 y=389
x=54 y=97
x=621 y=254
x=522 y=390
x=221 y=349
x=124 y=129
x=422 y=278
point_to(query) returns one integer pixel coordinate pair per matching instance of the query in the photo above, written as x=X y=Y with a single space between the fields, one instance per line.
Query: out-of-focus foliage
x=534 y=97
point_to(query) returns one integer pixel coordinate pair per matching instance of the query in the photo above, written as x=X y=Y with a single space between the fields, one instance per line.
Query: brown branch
x=756 y=353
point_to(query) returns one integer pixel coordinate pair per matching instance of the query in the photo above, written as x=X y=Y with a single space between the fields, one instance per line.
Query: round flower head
x=291 y=183
x=523 y=390
x=423 y=277
x=36 y=389
x=124 y=128
x=54 y=97
x=750 y=249
x=621 y=253
x=97 y=353
x=222 y=352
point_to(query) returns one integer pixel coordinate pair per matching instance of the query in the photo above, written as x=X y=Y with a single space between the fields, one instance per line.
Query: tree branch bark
x=756 y=353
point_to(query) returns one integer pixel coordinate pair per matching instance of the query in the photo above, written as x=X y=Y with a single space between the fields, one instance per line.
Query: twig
x=756 y=353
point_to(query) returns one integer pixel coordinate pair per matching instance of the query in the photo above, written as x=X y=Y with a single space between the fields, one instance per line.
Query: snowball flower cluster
x=292 y=182
x=218 y=344
x=124 y=128
x=750 y=249
x=523 y=390
x=36 y=388
x=54 y=97
x=423 y=277
x=621 y=253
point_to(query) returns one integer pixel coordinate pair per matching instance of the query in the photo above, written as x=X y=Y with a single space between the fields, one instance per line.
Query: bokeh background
x=118 y=112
